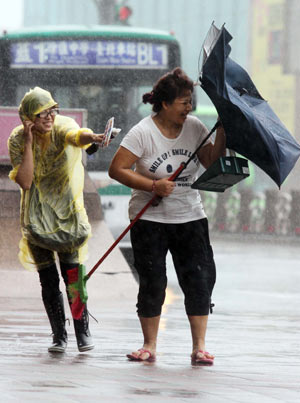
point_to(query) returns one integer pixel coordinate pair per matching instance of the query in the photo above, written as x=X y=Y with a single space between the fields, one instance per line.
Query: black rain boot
x=54 y=305
x=81 y=326
x=83 y=335
x=56 y=314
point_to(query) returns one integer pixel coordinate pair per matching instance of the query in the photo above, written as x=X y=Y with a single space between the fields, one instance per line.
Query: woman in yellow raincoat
x=45 y=153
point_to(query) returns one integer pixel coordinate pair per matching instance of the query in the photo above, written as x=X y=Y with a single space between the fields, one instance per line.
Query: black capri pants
x=193 y=260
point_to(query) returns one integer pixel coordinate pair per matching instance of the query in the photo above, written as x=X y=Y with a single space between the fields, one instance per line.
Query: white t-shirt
x=159 y=157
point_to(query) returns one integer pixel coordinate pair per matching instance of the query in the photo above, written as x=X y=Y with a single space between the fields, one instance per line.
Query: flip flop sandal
x=205 y=360
x=151 y=357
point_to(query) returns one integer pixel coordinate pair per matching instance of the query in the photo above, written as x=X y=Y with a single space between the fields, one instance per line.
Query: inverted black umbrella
x=252 y=128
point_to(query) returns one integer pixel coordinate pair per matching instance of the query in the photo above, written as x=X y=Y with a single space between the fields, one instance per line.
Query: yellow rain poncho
x=52 y=211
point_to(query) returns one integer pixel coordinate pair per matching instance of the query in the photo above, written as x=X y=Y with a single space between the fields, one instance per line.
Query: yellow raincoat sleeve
x=70 y=131
x=73 y=137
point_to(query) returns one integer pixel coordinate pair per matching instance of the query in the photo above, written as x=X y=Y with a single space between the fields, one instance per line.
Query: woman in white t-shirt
x=156 y=147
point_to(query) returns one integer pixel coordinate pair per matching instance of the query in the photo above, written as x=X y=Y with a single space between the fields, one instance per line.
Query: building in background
x=267 y=71
x=273 y=70
x=268 y=75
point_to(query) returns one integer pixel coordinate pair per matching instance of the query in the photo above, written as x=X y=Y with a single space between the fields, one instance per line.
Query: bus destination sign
x=89 y=54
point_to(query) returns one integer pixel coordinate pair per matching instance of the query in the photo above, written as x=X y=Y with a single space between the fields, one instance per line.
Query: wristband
x=153 y=185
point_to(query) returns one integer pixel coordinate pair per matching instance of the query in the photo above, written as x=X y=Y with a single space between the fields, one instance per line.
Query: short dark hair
x=168 y=88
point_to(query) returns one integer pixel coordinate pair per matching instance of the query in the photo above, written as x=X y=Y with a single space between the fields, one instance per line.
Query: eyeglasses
x=45 y=114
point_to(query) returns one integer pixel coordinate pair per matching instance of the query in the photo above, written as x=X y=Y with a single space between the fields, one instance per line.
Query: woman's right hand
x=164 y=187
x=28 y=126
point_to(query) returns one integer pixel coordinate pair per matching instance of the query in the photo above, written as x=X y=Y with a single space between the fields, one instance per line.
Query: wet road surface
x=254 y=334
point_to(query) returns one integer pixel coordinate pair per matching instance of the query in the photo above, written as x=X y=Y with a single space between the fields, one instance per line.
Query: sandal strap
x=143 y=350
x=205 y=353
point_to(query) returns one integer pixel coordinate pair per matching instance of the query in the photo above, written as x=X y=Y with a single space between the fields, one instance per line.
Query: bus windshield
x=104 y=70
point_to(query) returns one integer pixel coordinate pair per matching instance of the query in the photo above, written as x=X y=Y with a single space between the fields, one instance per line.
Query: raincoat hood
x=35 y=101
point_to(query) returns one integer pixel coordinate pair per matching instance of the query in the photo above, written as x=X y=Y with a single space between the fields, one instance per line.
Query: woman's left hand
x=98 y=138
x=164 y=187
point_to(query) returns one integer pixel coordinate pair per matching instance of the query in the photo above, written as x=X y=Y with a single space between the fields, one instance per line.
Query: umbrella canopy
x=252 y=128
